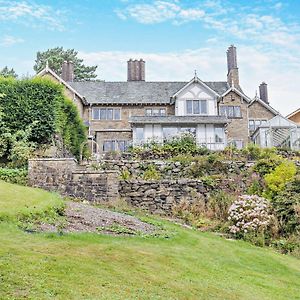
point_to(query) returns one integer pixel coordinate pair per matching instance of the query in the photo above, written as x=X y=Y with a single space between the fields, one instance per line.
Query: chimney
x=67 y=71
x=135 y=70
x=64 y=71
x=263 y=92
x=233 y=71
x=70 y=71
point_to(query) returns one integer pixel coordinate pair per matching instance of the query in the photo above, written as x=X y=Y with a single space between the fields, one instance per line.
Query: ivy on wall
x=40 y=104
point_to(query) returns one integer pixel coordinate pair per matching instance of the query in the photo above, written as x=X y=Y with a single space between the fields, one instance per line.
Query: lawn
x=17 y=200
x=189 y=265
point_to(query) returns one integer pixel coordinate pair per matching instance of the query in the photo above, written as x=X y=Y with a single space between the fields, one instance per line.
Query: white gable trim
x=293 y=113
x=195 y=80
x=48 y=70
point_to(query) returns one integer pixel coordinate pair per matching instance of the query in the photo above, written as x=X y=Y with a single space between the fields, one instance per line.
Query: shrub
x=277 y=179
x=252 y=151
x=17 y=176
x=125 y=175
x=266 y=165
x=219 y=203
x=249 y=214
x=151 y=173
x=287 y=208
x=41 y=105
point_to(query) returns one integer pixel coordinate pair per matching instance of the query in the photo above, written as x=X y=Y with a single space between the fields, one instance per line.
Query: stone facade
x=180 y=99
x=237 y=129
x=258 y=111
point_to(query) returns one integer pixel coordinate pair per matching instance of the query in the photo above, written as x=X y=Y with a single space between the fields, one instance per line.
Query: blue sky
x=174 y=37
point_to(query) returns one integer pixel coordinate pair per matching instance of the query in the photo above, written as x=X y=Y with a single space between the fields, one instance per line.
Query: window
x=155 y=112
x=106 y=113
x=219 y=134
x=253 y=124
x=196 y=107
x=139 y=134
x=169 y=132
x=230 y=111
x=115 y=145
x=189 y=130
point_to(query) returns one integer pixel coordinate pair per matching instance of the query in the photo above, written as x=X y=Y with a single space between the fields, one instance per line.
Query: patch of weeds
x=118 y=229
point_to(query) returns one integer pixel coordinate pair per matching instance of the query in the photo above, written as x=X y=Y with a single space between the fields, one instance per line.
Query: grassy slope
x=191 y=265
x=16 y=200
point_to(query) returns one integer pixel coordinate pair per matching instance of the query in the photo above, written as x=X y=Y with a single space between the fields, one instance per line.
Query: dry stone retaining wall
x=63 y=175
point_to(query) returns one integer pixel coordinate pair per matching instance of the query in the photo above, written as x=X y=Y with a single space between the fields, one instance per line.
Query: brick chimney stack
x=135 y=70
x=233 y=71
x=67 y=71
x=263 y=92
x=70 y=71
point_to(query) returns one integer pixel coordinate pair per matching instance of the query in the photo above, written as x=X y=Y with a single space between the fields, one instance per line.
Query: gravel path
x=81 y=217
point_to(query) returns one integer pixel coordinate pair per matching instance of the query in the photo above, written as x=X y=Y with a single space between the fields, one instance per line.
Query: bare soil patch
x=82 y=217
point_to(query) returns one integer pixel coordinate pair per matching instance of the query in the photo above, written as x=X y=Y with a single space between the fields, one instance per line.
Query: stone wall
x=63 y=176
x=160 y=196
x=168 y=169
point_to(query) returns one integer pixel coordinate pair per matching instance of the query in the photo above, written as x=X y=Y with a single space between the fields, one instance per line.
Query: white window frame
x=200 y=112
x=106 y=113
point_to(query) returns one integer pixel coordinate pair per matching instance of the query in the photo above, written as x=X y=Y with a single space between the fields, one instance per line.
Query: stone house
x=137 y=111
x=295 y=116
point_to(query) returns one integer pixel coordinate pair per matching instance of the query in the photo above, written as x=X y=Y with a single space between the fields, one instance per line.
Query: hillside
x=187 y=265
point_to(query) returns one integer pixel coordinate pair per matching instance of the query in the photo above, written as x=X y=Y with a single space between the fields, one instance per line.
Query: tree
x=56 y=57
x=6 y=72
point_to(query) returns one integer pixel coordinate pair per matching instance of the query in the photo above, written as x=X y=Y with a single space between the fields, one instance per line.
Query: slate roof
x=179 y=119
x=135 y=92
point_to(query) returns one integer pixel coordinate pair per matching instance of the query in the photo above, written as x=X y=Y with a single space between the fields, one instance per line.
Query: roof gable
x=237 y=91
x=47 y=70
x=195 y=92
x=263 y=103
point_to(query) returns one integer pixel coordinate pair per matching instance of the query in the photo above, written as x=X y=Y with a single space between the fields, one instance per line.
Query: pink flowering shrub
x=249 y=214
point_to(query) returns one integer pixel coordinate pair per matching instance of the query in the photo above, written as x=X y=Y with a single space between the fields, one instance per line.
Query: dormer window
x=196 y=107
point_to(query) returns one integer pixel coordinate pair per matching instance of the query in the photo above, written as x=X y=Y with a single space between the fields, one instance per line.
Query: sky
x=174 y=37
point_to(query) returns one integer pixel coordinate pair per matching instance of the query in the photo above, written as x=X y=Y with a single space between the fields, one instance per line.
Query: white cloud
x=160 y=11
x=255 y=66
x=31 y=14
x=9 y=40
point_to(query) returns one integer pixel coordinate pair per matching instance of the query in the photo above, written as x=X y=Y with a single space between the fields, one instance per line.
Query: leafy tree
x=56 y=57
x=6 y=72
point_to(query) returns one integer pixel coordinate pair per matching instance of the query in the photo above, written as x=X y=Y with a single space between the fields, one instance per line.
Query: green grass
x=190 y=265
x=18 y=201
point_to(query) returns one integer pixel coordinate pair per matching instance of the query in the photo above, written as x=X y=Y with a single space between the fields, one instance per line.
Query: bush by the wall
x=17 y=176
x=276 y=180
x=41 y=105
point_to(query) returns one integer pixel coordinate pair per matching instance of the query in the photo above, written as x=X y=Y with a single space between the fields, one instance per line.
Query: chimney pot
x=263 y=92
x=135 y=70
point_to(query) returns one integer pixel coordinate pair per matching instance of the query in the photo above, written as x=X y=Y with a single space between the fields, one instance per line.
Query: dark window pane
x=189 y=107
x=169 y=132
x=108 y=146
x=237 y=111
x=109 y=114
x=96 y=113
x=196 y=107
x=121 y=145
x=162 y=111
x=139 y=132
x=203 y=106
x=102 y=114
x=155 y=112
x=219 y=134
x=223 y=111
x=230 y=111
x=117 y=114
